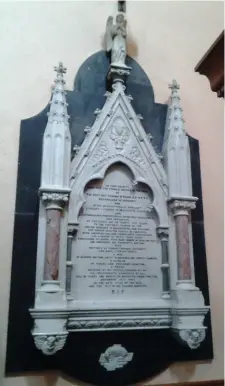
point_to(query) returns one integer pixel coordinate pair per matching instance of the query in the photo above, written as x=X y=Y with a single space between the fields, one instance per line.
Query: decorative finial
x=87 y=130
x=60 y=69
x=75 y=151
x=150 y=137
x=174 y=85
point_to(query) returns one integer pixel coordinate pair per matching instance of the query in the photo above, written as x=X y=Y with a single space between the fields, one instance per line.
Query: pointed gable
x=117 y=136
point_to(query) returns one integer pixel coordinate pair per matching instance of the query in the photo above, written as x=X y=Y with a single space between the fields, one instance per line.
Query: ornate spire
x=57 y=139
x=176 y=152
x=58 y=109
x=175 y=112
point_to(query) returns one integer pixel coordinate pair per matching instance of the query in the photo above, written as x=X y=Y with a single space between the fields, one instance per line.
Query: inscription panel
x=116 y=252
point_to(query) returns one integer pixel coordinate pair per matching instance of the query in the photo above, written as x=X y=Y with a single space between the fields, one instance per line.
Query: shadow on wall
x=52 y=379
x=182 y=372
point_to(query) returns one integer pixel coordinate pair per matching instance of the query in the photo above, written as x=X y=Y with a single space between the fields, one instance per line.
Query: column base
x=188 y=313
x=50 y=294
x=50 y=317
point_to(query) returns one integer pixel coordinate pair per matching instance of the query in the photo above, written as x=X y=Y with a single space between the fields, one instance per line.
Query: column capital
x=163 y=233
x=182 y=206
x=54 y=199
x=72 y=229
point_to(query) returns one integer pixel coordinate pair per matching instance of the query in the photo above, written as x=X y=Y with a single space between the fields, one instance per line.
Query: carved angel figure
x=49 y=344
x=116 y=39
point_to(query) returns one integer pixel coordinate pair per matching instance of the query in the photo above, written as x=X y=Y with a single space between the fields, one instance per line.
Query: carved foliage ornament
x=136 y=156
x=119 y=71
x=163 y=233
x=100 y=153
x=114 y=324
x=119 y=133
x=186 y=205
x=51 y=196
x=115 y=357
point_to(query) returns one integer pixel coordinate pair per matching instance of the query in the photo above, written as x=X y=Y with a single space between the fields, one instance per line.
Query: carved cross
x=122 y=6
x=174 y=85
x=60 y=69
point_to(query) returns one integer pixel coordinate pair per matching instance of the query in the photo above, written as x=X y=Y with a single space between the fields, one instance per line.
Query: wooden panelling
x=212 y=66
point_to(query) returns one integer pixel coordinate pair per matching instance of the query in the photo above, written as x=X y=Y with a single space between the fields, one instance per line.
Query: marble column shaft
x=53 y=217
x=69 y=263
x=163 y=234
x=183 y=248
x=165 y=266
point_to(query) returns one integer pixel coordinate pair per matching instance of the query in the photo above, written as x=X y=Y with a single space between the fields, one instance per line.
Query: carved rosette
x=191 y=337
x=115 y=357
x=50 y=344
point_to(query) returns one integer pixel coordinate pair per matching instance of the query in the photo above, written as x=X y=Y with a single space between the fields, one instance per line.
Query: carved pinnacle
x=160 y=156
x=150 y=137
x=130 y=98
x=87 y=129
x=107 y=94
x=76 y=149
x=174 y=85
x=97 y=112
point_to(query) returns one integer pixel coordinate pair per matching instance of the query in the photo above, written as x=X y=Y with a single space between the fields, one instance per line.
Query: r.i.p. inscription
x=116 y=252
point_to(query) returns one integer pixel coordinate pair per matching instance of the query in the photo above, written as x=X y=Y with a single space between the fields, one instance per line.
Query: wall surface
x=167 y=39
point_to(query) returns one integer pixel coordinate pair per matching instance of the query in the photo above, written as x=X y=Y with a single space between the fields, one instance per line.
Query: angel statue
x=116 y=39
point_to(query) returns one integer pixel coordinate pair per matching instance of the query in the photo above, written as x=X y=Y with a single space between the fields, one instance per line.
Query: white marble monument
x=115 y=238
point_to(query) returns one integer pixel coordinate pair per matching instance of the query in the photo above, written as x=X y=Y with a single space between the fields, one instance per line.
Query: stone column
x=181 y=211
x=54 y=206
x=163 y=234
x=69 y=265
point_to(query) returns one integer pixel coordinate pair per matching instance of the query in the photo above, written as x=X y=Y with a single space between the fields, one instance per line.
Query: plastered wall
x=167 y=39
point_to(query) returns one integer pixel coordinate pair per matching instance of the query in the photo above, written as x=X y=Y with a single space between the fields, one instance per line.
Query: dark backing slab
x=154 y=350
